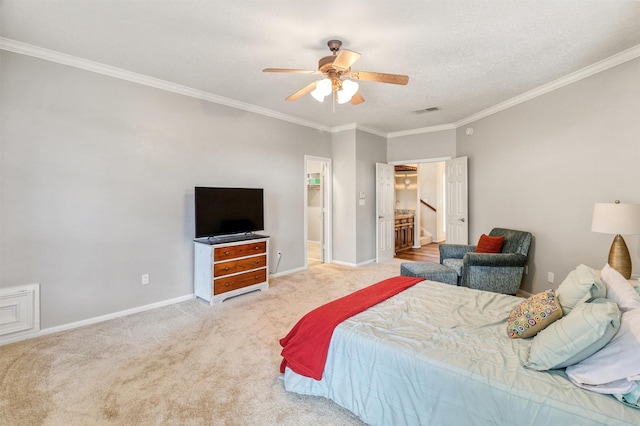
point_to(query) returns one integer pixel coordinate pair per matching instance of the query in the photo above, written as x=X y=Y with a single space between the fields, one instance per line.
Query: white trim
x=99 y=68
x=327 y=226
x=288 y=272
x=356 y=126
x=422 y=160
x=344 y=127
x=341 y=263
x=605 y=64
x=354 y=265
x=442 y=127
x=61 y=58
x=33 y=312
x=99 y=319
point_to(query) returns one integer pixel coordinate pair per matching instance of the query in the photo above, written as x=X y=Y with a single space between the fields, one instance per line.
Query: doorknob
x=380 y=217
x=461 y=220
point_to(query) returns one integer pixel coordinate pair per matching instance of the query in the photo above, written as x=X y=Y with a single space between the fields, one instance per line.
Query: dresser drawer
x=222 y=285
x=234 y=266
x=232 y=252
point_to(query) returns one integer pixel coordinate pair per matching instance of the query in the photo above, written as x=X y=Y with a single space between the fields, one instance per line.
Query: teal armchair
x=496 y=272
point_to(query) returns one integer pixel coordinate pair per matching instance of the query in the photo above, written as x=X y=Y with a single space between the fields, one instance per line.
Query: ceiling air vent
x=426 y=110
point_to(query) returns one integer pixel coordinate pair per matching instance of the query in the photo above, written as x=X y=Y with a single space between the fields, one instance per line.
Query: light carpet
x=184 y=364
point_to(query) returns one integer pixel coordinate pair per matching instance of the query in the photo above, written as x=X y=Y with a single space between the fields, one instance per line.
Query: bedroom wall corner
x=541 y=165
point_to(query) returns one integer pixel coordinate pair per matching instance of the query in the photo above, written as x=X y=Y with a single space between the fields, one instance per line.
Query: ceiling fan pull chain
x=333 y=103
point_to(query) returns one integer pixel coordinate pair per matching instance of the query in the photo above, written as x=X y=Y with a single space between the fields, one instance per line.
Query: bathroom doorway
x=317 y=210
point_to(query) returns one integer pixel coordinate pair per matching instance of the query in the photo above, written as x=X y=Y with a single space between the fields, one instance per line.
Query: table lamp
x=617 y=218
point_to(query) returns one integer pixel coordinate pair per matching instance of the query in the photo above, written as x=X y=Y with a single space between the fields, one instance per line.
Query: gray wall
x=541 y=165
x=344 y=189
x=355 y=154
x=97 y=178
x=441 y=144
x=370 y=149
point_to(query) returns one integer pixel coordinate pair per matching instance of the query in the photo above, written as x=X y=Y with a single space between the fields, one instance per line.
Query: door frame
x=420 y=161
x=327 y=223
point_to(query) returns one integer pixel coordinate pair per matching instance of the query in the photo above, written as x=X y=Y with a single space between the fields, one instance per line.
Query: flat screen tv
x=226 y=211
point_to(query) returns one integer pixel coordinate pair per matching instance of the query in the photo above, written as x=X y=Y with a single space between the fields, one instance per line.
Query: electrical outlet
x=145 y=279
x=550 y=277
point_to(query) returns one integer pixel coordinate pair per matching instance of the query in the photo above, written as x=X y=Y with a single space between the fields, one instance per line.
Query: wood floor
x=426 y=253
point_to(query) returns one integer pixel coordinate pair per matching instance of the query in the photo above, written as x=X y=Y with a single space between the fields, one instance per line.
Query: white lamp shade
x=343 y=97
x=323 y=88
x=349 y=88
x=317 y=95
x=616 y=218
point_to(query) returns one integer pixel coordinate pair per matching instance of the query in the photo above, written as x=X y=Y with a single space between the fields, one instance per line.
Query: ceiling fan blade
x=289 y=71
x=345 y=59
x=357 y=99
x=300 y=93
x=380 y=77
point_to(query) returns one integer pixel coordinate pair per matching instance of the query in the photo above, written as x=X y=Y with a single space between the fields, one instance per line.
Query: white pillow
x=576 y=336
x=618 y=360
x=580 y=285
x=619 y=290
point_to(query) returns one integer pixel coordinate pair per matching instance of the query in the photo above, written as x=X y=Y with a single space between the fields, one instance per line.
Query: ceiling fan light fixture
x=323 y=88
x=349 y=88
x=317 y=95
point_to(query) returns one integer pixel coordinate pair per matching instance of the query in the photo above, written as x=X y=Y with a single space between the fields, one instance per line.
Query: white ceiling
x=463 y=56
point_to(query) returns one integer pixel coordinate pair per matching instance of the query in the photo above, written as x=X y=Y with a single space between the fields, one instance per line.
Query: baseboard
x=522 y=293
x=354 y=265
x=288 y=272
x=96 y=320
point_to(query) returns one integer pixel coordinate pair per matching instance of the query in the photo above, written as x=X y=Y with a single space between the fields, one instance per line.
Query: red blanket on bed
x=305 y=347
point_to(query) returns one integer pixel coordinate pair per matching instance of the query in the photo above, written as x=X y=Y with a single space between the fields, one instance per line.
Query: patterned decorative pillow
x=533 y=315
x=488 y=244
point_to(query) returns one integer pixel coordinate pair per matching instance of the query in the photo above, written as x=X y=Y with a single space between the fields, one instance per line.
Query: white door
x=456 y=201
x=385 y=205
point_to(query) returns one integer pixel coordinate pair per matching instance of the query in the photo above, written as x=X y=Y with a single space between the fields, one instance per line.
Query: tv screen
x=222 y=211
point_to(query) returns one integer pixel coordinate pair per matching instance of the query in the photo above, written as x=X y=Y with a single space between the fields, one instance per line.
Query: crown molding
x=99 y=68
x=344 y=127
x=356 y=126
x=603 y=65
x=450 y=126
x=85 y=64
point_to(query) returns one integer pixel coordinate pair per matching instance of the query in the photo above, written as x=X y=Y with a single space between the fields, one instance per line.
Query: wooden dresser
x=227 y=269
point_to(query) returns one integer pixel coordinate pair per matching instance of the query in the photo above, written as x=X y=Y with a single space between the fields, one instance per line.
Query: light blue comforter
x=439 y=355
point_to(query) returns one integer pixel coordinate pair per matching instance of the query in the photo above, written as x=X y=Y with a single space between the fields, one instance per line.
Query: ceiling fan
x=339 y=77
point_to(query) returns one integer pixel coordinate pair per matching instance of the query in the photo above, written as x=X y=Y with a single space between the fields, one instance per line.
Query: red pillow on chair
x=489 y=244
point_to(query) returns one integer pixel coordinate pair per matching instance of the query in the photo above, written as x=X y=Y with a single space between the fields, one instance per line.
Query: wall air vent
x=426 y=110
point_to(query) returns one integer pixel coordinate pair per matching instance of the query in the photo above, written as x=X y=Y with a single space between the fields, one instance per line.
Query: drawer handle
x=226 y=268
x=226 y=252
x=257 y=248
x=227 y=284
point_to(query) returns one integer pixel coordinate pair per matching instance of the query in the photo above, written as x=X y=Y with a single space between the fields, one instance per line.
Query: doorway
x=317 y=202
x=420 y=194
x=414 y=205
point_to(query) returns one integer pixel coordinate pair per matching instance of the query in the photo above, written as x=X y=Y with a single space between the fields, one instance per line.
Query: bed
x=439 y=354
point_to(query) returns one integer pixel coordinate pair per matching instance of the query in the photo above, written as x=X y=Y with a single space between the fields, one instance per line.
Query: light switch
x=361 y=195
x=361 y=201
